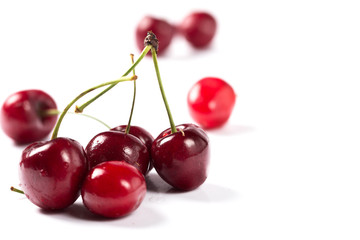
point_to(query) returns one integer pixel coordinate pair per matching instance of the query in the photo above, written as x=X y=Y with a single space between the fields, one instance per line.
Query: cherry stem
x=57 y=126
x=16 y=190
x=154 y=56
x=127 y=130
x=51 y=112
x=142 y=55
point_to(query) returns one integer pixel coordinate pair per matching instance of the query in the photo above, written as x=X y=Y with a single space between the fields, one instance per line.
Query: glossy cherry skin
x=140 y=133
x=113 y=189
x=51 y=172
x=182 y=158
x=115 y=145
x=22 y=117
x=198 y=28
x=211 y=102
x=163 y=30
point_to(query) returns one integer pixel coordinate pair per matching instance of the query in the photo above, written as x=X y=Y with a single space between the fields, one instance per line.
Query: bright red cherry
x=182 y=158
x=198 y=28
x=140 y=133
x=23 y=116
x=51 y=172
x=161 y=28
x=115 y=145
x=211 y=101
x=113 y=189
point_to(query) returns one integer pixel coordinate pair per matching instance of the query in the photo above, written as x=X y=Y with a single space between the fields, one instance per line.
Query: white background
x=287 y=164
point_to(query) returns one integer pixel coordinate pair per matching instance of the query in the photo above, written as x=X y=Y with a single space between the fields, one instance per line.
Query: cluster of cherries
x=198 y=28
x=110 y=172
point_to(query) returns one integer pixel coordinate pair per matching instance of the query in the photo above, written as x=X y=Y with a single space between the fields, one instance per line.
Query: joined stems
x=57 y=126
x=142 y=55
x=50 y=112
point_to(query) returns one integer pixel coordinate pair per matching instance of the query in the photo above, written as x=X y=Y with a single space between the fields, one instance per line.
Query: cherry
x=115 y=145
x=164 y=31
x=51 y=172
x=179 y=154
x=182 y=158
x=113 y=189
x=198 y=28
x=141 y=134
x=23 y=116
x=211 y=101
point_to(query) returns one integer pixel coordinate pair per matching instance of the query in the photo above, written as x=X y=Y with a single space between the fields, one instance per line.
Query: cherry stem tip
x=16 y=190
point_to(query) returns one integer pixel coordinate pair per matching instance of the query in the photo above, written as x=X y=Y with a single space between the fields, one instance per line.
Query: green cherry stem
x=142 y=55
x=154 y=57
x=57 y=126
x=57 y=112
x=127 y=130
x=16 y=190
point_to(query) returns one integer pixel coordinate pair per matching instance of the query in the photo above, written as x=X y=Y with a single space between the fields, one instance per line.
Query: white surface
x=287 y=164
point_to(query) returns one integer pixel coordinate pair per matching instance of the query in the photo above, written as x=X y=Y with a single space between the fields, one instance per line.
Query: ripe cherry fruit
x=113 y=189
x=198 y=28
x=116 y=145
x=182 y=158
x=211 y=101
x=141 y=134
x=179 y=154
x=161 y=28
x=51 y=172
x=24 y=118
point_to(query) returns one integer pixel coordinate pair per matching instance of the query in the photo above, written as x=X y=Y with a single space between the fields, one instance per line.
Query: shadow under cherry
x=207 y=192
x=142 y=217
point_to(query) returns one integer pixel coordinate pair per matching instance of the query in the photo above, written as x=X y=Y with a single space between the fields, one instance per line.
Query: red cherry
x=182 y=158
x=211 y=101
x=51 y=172
x=22 y=116
x=198 y=28
x=115 y=145
x=141 y=134
x=161 y=28
x=113 y=189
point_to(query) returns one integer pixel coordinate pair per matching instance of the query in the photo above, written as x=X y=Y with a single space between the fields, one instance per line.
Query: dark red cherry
x=140 y=133
x=163 y=30
x=115 y=145
x=211 y=101
x=23 y=116
x=182 y=158
x=51 y=172
x=198 y=28
x=113 y=189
